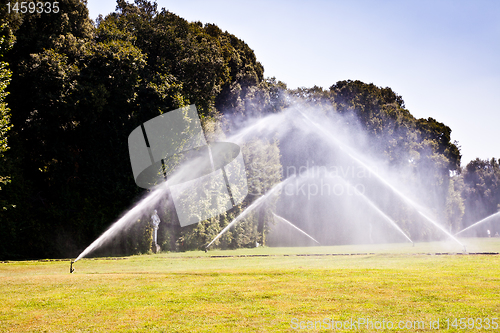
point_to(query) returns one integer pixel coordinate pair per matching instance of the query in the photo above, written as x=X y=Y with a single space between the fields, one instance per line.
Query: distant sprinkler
x=71 y=269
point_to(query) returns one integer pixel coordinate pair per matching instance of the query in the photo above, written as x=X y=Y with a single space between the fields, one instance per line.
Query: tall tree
x=78 y=91
x=5 y=124
x=481 y=189
x=73 y=99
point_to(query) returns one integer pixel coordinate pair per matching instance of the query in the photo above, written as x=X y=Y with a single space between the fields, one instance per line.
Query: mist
x=334 y=184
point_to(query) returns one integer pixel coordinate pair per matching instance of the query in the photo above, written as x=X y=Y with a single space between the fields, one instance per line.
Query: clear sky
x=443 y=57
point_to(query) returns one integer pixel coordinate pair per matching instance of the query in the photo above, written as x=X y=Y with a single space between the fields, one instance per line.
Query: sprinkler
x=71 y=269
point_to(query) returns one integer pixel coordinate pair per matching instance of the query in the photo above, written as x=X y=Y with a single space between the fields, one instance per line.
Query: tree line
x=72 y=90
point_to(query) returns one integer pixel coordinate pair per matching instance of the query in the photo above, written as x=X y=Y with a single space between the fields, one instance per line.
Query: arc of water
x=401 y=195
x=269 y=123
x=131 y=216
x=378 y=210
x=441 y=228
x=354 y=156
x=254 y=205
x=282 y=219
x=479 y=222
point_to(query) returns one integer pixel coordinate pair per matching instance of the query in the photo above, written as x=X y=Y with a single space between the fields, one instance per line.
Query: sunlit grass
x=191 y=292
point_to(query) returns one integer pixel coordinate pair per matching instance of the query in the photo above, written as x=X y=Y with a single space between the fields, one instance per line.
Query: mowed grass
x=194 y=292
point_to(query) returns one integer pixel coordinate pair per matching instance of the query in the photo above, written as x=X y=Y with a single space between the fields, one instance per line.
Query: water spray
x=378 y=210
x=479 y=222
x=282 y=219
x=352 y=155
x=254 y=205
x=128 y=218
x=268 y=124
x=442 y=229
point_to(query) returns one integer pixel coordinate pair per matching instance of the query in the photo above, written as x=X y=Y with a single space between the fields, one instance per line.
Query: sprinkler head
x=71 y=269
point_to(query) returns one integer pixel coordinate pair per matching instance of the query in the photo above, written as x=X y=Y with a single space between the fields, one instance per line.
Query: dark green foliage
x=73 y=100
x=8 y=172
x=481 y=180
x=77 y=91
x=381 y=112
x=214 y=67
x=5 y=124
x=373 y=106
x=136 y=239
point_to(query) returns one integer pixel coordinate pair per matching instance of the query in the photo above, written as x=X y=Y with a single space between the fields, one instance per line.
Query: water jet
x=254 y=205
x=282 y=219
x=479 y=222
x=349 y=152
x=299 y=125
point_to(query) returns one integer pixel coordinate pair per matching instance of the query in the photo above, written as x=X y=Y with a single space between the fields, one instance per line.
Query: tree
x=455 y=207
x=263 y=169
x=5 y=124
x=195 y=64
x=78 y=91
x=74 y=101
x=481 y=189
x=382 y=114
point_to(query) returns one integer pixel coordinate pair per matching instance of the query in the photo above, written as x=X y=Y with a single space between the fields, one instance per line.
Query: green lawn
x=192 y=291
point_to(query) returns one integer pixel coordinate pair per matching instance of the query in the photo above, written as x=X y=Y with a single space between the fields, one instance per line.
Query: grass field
x=257 y=290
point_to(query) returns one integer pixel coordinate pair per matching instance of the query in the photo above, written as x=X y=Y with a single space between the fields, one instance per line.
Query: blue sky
x=443 y=57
